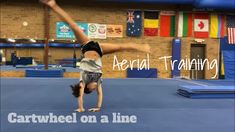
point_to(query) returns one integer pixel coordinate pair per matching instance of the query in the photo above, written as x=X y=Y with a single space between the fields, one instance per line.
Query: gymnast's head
x=90 y=87
x=87 y=89
x=89 y=81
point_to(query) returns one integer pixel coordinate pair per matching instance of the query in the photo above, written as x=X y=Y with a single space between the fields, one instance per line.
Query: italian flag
x=167 y=24
x=201 y=25
x=185 y=24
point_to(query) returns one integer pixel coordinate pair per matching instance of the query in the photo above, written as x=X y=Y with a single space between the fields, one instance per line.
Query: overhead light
x=25 y=23
x=11 y=40
x=32 y=40
x=1 y=51
x=199 y=40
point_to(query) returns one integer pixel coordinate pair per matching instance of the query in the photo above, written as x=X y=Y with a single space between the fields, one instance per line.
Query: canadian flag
x=201 y=25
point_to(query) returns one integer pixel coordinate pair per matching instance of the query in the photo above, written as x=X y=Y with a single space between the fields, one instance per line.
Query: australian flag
x=134 y=22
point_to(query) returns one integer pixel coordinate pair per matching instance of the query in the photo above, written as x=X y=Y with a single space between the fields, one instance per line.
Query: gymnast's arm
x=81 y=37
x=100 y=96
x=80 y=100
x=99 y=100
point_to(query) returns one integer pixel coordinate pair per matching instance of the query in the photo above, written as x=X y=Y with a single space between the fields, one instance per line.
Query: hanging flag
x=115 y=31
x=201 y=25
x=231 y=28
x=151 y=23
x=167 y=24
x=216 y=26
x=133 y=23
x=185 y=24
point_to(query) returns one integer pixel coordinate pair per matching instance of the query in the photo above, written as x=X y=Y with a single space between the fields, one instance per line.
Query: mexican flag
x=167 y=24
x=201 y=25
x=185 y=24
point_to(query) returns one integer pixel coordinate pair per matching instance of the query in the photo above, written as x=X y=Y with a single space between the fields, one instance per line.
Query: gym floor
x=154 y=102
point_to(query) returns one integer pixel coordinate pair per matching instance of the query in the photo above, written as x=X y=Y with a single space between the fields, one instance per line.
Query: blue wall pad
x=44 y=73
x=228 y=52
x=176 y=55
x=192 y=91
x=225 y=46
x=135 y=73
x=229 y=63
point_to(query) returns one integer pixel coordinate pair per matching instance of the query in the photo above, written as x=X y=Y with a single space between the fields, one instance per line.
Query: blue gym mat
x=208 y=89
x=154 y=102
x=206 y=95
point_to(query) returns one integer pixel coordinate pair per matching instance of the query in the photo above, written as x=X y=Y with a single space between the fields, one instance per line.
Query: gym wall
x=14 y=13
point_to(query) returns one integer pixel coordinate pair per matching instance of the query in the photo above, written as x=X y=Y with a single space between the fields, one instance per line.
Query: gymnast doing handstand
x=91 y=64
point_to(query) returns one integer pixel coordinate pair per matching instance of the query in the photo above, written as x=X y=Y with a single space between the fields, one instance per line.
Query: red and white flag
x=201 y=25
x=231 y=29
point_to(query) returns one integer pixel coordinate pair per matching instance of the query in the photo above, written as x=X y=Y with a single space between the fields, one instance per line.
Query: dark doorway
x=197 y=52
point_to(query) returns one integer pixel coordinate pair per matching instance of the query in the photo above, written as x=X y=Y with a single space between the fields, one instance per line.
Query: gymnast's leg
x=109 y=48
x=81 y=37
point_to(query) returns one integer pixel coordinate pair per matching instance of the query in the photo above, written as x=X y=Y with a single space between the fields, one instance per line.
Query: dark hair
x=86 y=90
x=76 y=90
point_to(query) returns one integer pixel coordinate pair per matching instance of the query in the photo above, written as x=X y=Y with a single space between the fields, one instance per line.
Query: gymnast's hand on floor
x=50 y=3
x=94 y=110
x=80 y=110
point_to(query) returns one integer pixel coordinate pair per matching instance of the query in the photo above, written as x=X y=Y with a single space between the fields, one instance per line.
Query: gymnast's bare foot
x=80 y=110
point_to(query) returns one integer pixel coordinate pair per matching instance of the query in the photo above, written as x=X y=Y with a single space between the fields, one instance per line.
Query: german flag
x=151 y=23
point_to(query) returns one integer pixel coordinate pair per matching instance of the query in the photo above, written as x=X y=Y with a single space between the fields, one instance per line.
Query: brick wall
x=14 y=13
